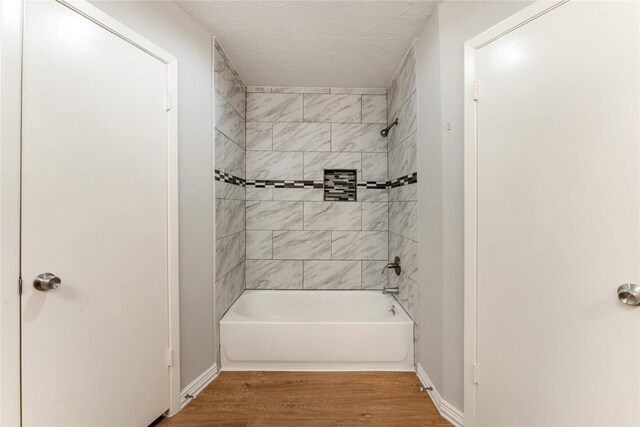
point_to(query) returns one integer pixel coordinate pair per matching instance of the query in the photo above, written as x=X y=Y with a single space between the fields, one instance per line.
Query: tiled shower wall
x=295 y=240
x=230 y=107
x=403 y=235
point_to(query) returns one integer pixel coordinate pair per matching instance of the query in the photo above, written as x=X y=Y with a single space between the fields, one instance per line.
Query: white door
x=558 y=212
x=94 y=213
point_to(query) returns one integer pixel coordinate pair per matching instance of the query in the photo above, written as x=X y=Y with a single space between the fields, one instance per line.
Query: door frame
x=526 y=15
x=11 y=39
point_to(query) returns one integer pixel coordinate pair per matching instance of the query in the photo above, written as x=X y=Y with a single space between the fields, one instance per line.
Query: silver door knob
x=629 y=294
x=46 y=281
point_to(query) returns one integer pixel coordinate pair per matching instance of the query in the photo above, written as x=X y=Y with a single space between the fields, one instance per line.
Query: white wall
x=440 y=171
x=171 y=28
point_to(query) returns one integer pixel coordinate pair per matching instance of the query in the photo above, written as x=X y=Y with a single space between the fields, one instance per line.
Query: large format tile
x=274 y=165
x=332 y=275
x=228 y=288
x=357 y=138
x=403 y=219
x=298 y=194
x=374 y=167
x=332 y=216
x=230 y=251
x=373 y=276
x=372 y=195
x=259 y=244
x=407 y=122
x=404 y=193
x=407 y=250
x=259 y=136
x=269 y=215
x=374 y=109
x=333 y=108
x=254 y=193
x=274 y=274
x=228 y=121
x=360 y=245
x=404 y=85
x=224 y=190
x=274 y=107
x=359 y=91
x=398 y=165
x=302 y=137
x=315 y=163
x=375 y=216
x=230 y=217
x=301 y=245
x=300 y=90
x=218 y=71
x=230 y=157
x=234 y=90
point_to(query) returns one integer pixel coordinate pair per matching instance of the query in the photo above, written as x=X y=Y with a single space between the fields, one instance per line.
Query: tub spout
x=390 y=291
x=395 y=265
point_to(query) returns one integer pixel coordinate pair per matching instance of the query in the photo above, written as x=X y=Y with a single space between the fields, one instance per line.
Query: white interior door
x=94 y=213
x=558 y=192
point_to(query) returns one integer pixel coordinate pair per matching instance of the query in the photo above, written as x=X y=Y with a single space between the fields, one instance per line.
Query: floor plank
x=311 y=399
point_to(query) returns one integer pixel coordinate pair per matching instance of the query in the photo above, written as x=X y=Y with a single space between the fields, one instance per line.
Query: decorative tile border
x=301 y=183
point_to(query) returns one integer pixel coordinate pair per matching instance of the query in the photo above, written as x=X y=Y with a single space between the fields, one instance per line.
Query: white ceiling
x=314 y=43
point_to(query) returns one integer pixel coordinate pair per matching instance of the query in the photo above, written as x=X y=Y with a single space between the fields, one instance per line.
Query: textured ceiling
x=314 y=43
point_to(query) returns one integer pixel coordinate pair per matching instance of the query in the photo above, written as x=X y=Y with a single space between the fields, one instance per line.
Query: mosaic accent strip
x=340 y=185
x=228 y=178
x=303 y=183
x=403 y=180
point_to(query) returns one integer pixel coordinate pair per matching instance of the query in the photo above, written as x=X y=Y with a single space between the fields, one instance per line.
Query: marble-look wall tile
x=259 y=136
x=403 y=193
x=316 y=163
x=230 y=157
x=374 y=109
x=403 y=219
x=258 y=89
x=224 y=190
x=357 y=138
x=372 y=195
x=398 y=165
x=375 y=216
x=274 y=274
x=360 y=245
x=230 y=215
x=412 y=153
x=270 y=215
x=228 y=121
x=408 y=296
x=259 y=244
x=333 y=108
x=372 y=275
x=302 y=137
x=407 y=250
x=300 y=90
x=358 y=91
x=332 y=275
x=234 y=91
x=218 y=71
x=272 y=107
x=407 y=122
x=332 y=216
x=374 y=167
x=274 y=165
x=228 y=288
x=404 y=85
x=298 y=194
x=230 y=251
x=253 y=193
x=301 y=245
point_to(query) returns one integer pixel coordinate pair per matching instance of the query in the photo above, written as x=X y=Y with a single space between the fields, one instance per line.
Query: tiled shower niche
x=340 y=185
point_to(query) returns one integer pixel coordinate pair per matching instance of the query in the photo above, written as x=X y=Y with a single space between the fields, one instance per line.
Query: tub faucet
x=390 y=291
x=395 y=265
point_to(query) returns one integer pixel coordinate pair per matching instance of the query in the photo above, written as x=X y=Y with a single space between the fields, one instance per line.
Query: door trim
x=10 y=145
x=471 y=372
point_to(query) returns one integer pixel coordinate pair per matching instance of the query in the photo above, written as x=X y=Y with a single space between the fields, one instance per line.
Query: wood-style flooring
x=310 y=399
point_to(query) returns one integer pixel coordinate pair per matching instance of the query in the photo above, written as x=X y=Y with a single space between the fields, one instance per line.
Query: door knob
x=629 y=294
x=46 y=281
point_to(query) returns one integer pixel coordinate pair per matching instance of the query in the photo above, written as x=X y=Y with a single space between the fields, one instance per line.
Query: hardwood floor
x=311 y=399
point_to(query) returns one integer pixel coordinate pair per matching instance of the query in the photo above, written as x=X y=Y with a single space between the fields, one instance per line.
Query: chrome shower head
x=385 y=132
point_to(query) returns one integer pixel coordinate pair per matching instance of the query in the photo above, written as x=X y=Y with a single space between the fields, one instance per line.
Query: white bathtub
x=275 y=330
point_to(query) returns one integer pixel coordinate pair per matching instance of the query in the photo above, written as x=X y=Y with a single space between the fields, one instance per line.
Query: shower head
x=384 y=132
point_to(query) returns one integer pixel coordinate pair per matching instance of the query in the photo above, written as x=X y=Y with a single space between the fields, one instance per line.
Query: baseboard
x=447 y=410
x=191 y=391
